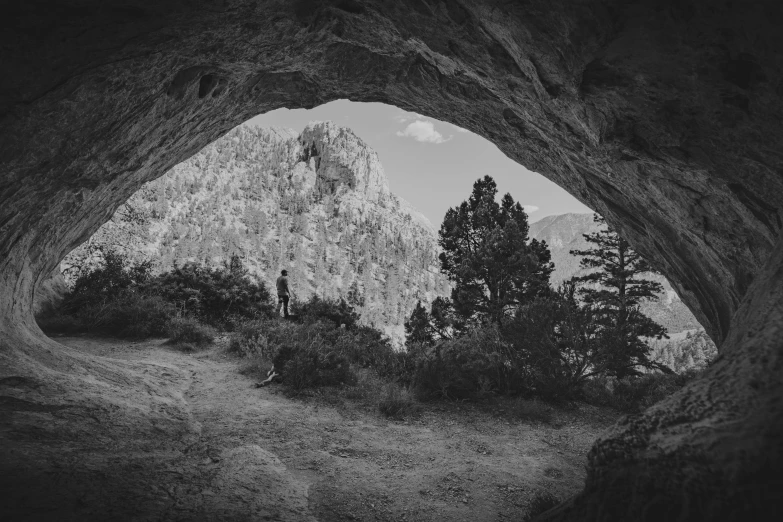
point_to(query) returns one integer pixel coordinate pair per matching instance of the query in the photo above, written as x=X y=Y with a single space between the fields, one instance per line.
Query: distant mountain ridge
x=316 y=203
x=565 y=232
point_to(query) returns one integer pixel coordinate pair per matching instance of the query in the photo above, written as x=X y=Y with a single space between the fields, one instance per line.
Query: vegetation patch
x=188 y=331
x=397 y=402
x=503 y=331
x=635 y=394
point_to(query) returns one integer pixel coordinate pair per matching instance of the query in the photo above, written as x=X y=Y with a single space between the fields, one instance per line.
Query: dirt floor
x=210 y=446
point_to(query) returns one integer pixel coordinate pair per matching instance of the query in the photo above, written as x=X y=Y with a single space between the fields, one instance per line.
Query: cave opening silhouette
x=663 y=116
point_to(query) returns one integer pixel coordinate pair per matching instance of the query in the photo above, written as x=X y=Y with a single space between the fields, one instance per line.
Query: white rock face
x=316 y=203
x=343 y=159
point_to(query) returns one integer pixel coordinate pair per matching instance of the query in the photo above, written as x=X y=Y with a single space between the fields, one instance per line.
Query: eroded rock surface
x=663 y=116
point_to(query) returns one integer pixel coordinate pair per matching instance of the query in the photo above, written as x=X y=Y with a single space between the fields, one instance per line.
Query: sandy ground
x=209 y=446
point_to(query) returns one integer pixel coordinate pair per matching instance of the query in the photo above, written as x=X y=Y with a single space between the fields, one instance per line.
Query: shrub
x=254 y=367
x=187 y=330
x=337 y=312
x=108 y=299
x=307 y=355
x=368 y=387
x=309 y=364
x=220 y=297
x=317 y=352
x=396 y=402
x=542 y=502
x=249 y=339
x=128 y=314
x=100 y=285
x=478 y=363
x=598 y=391
x=634 y=394
x=555 y=341
x=57 y=322
x=366 y=347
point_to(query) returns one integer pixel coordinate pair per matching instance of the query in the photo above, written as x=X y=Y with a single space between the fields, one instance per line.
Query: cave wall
x=664 y=116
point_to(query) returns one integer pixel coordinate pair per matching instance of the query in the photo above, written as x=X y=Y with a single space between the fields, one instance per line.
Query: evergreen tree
x=355 y=297
x=442 y=318
x=486 y=254
x=613 y=290
x=418 y=328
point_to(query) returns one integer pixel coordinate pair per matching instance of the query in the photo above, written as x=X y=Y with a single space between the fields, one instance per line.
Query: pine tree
x=486 y=254
x=418 y=328
x=614 y=290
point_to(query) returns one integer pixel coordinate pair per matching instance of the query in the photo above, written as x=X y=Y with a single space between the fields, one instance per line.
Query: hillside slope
x=316 y=203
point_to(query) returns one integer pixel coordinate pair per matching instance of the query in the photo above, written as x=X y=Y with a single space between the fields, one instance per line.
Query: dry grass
x=397 y=402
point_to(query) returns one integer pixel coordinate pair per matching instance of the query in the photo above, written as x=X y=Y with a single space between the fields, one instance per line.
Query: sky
x=430 y=163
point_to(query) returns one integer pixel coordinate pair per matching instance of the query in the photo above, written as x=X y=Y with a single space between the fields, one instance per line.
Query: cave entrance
x=660 y=116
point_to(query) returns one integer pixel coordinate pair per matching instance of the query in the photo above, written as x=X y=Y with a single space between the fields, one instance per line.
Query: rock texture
x=663 y=116
x=316 y=203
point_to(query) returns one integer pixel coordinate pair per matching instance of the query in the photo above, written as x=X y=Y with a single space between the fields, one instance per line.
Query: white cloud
x=530 y=208
x=424 y=131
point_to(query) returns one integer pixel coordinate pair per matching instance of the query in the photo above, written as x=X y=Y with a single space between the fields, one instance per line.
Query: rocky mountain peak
x=341 y=158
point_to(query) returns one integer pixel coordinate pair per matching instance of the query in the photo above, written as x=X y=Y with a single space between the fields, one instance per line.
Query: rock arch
x=664 y=116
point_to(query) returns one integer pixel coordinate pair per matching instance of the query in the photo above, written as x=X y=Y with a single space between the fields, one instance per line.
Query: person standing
x=283 y=294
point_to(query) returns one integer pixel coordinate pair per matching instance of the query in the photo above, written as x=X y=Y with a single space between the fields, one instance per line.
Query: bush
x=396 y=402
x=249 y=339
x=108 y=299
x=186 y=330
x=337 y=312
x=542 y=502
x=123 y=299
x=320 y=349
x=220 y=297
x=366 y=347
x=478 y=363
x=555 y=343
x=309 y=364
x=58 y=322
x=128 y=314
x=368 y=388
x=598 y=391
x=307 y=355
x=634 y=394
x=105 y=283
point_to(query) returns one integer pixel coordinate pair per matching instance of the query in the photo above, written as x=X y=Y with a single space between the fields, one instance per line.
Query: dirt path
x=219 y=449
